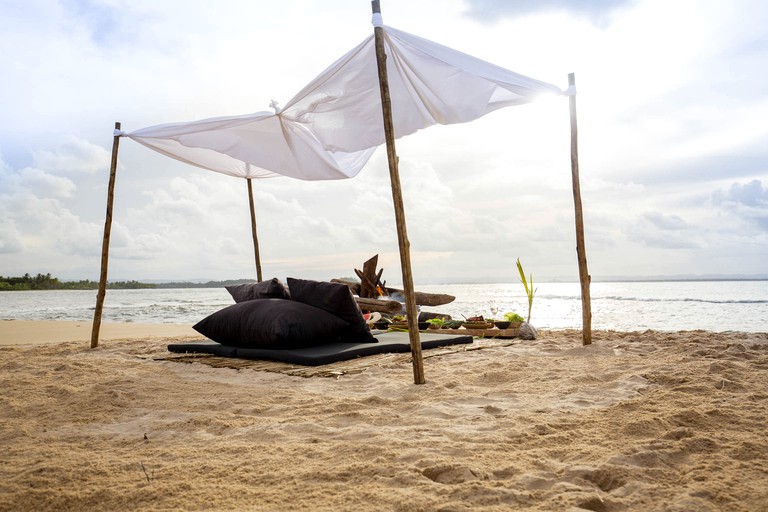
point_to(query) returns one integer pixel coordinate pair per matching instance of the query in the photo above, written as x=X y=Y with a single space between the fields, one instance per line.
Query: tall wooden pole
x=581 y=251
x=253 y=231
x=397 y=198
x=105 y=242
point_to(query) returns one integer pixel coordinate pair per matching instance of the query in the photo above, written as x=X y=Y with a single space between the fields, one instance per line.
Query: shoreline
x=44 y=332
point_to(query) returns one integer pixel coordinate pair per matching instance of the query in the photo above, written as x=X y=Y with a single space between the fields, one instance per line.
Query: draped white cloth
x=330 y=128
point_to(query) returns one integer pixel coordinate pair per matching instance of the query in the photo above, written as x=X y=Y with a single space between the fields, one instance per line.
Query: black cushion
x=335 y=298
x=272 y=289
x=272 y=324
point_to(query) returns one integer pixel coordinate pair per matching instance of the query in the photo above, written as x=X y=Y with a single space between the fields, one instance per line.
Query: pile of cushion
x=303 y=313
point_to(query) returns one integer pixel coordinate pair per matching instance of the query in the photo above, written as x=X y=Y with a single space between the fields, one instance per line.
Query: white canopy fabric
x=330 y=128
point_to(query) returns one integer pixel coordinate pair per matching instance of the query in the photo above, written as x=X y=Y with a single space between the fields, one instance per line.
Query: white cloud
x=73 y=156
x=43 y=184
x=598 y=11
x=665 y=222
x=665 y=119
x=751 y=194
x=10 y=238
x=748 y=202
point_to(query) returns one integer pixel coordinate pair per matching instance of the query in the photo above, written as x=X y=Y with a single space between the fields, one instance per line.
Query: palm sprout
x=529 y=290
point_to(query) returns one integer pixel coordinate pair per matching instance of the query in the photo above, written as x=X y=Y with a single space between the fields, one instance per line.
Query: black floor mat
x=323 y=354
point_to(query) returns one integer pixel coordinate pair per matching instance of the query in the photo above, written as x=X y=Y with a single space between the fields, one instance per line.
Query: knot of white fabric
x=377 y=20
x=118 y=133
x=275 y=106
x=570 y=91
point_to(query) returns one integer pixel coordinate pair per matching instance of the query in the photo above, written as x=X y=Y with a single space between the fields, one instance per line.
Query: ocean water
x=628 y=306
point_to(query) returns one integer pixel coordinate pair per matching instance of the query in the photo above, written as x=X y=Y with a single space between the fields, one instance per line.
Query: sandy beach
x=637 y=421
x=23 y=332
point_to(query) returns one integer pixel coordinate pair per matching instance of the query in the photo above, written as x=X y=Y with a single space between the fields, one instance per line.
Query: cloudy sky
x=672 y=105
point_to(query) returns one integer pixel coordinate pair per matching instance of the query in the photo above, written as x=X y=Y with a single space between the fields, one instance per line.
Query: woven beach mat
x=333 y=370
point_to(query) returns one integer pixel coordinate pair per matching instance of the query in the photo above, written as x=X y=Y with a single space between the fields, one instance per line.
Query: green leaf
x=529 y=290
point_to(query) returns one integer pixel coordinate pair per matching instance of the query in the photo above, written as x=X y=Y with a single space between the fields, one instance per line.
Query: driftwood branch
x=422 y=298
x=353 y=285
x=367 y=287
x=427 y=299
x=149 y=480
x=382 y=306
x=368 y=278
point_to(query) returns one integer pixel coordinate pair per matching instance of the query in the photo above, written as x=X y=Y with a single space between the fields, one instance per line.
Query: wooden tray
x=512 y=332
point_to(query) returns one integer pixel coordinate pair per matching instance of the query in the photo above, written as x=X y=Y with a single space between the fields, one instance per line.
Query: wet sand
x=21 y=332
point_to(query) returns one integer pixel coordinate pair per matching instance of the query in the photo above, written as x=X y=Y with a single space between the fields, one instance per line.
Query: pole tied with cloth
x=397 y=198
x=105 y=241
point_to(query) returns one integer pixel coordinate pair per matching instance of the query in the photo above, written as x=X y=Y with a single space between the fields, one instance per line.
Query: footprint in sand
x=450 y=474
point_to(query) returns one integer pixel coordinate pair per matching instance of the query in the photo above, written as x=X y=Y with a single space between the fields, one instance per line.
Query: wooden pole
x=397 y=198
x=253 y=231
x=105 y=243
x=584 y=277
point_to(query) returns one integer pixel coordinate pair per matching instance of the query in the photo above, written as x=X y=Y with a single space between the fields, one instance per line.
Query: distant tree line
x=209 y=284
x=46 y=282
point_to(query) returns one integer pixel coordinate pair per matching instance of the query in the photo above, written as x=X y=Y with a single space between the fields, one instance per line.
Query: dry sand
x=637 y=421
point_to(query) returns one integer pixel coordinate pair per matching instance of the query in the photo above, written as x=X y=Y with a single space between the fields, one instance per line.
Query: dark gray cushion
x=335 y=298
x=272 y=289
x=272 y=324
